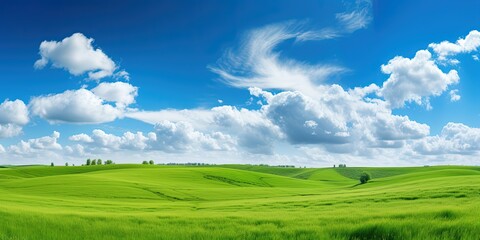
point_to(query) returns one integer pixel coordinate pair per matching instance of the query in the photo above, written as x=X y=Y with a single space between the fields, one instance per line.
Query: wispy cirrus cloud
x=358 y=18
x=257 y=64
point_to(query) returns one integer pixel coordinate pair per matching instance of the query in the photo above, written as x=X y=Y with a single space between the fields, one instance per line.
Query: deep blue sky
x=167 y=46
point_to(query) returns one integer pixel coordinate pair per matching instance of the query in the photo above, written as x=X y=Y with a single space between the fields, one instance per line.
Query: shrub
x=365 y=177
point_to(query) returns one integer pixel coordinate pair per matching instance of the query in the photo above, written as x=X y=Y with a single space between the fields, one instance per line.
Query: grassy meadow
x=238 y=202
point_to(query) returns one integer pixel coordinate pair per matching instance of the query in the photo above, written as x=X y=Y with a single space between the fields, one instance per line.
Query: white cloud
x=122 y=74
x=253 y=131
x=2 y=149
x=123 y=94
x=336 y=117
x=454 y=95
x=455 y=138
x=256 y=64
x=13 y=115
x=357 y=19
x=74 y=106
x=14 y=112
x=100 y=141
x=77 y=55
x=81 y=138
x=198 y=117
x=358 y=16
x=76 y=150
x=446 y=49
x=181 y=136
x=415 y=80
x=9 y=130
x=475 y=57
x=167 y=136
x=249 y=129
x=35 y=145
x=291 y=110
x=341 y=121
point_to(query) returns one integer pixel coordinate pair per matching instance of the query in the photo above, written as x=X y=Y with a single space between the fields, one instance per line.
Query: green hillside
x=238 y=202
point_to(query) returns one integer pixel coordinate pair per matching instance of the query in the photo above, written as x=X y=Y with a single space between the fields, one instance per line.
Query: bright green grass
x=238 y=202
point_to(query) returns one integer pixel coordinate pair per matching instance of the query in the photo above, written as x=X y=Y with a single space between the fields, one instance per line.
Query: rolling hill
x=238 y=202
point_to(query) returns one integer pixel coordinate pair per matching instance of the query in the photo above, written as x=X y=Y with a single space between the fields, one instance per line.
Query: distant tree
x=51 y=164
x=365 y=177
x=145 y=162
x=89 y=162
x=94 y=162
x=151 y=162
x=66 y=164
x=108 y=162
x=99 y=161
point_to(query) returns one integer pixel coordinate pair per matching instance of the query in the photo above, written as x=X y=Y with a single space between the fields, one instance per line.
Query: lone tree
x=365 y=177
x=51 y=164
x=66 y=164
x=151 y=162
x=145 y=162
x=89 y=162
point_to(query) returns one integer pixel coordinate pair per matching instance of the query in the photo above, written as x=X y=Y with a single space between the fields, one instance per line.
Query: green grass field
x=238 y=202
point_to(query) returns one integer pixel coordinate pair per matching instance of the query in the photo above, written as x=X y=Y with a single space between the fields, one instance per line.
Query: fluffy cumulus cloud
x=249 y=129
x=447 y=49
x=455 y=138
x=13 y=115
x=37 y=145
x=99 y=141
x=74 y=106
x=123 y=94
x=306 y=121
x=166 y=136
x=78 y=56
x=341 y=121
x=181 y=136
x=454 y=95
x=252 y=131
x=415 y=80
x=338 y=120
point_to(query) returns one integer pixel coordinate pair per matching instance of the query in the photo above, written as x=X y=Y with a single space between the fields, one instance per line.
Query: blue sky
x=240 y=81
